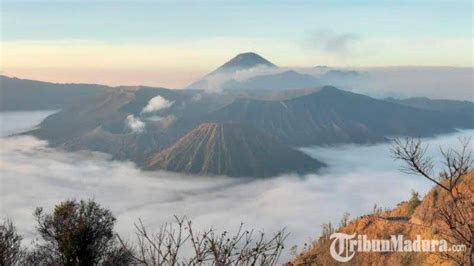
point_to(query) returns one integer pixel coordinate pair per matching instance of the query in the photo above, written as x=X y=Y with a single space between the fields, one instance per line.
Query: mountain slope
x=460 y=107
x=323 y=116
x=232 y=150
x=335 y=116
x=216 y=78
x=406 y=219
x=99 y=123
x=318 y=117
x=24 y=94
x=281 y=81
x=243 y=61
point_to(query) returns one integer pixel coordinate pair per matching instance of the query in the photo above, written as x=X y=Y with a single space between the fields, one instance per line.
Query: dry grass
x=425 y=222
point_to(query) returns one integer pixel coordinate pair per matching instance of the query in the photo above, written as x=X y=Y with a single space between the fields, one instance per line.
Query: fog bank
x=33 y=174
x=455 y=83
x=19 y=121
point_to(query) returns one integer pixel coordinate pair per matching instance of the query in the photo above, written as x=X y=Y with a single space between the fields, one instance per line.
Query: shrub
x=413 y=203
x=11 y=252
x=75 y=233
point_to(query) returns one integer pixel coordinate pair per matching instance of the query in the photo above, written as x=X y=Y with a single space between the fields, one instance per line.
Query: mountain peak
x=239 y=62
x=245 y=60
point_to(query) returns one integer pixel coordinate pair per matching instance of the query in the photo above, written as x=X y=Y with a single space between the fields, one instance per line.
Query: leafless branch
x=208 y=247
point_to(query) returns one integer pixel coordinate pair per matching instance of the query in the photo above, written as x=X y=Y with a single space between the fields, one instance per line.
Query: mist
x=357 y=177
x=214 y=81
x=19 y=121
x=454 y=83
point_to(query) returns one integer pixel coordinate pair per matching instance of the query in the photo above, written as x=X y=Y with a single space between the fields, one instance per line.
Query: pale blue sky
x=182 y=40
x=132 y=21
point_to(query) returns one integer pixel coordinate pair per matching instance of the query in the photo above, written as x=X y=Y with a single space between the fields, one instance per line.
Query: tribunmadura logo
x=344 y=246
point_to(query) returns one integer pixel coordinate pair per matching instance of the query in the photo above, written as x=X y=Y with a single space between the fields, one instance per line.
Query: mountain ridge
x=331 y=116
x=27 y=94
x=319 y=116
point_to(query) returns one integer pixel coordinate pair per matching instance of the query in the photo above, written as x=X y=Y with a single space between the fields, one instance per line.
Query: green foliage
x=413 y=203
x=75 y=233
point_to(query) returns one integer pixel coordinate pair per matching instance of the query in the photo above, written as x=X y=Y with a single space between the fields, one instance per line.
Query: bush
x=413 y=203
x=81 y=233
x=76 y=233
x=11 y=252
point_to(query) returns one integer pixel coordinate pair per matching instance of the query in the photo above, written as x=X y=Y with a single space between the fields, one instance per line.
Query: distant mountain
x=287 y=80
x=213 y=80
x=336 y=74
x=244 y=61
x=332 y=116
x=24 y=94
x=461 y=107
x=232 y=150
x=113 y=122
x=346 y=79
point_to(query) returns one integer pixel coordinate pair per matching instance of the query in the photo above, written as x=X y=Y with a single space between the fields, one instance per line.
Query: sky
x=175 y=42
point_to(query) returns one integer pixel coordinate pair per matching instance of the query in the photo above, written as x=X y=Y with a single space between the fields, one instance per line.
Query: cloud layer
x=35 y=175
x=15 y=122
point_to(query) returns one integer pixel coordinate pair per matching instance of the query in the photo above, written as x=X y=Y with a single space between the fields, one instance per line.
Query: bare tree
x=327 y=229
x=457 y=213
x=11 y=252
x=345 y=219
x=204 y=248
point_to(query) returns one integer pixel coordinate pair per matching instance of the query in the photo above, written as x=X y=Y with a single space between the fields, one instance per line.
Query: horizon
x=58 y=80
x=171 y=44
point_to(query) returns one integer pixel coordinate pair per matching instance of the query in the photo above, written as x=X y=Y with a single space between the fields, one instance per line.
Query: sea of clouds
x=357 y=177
